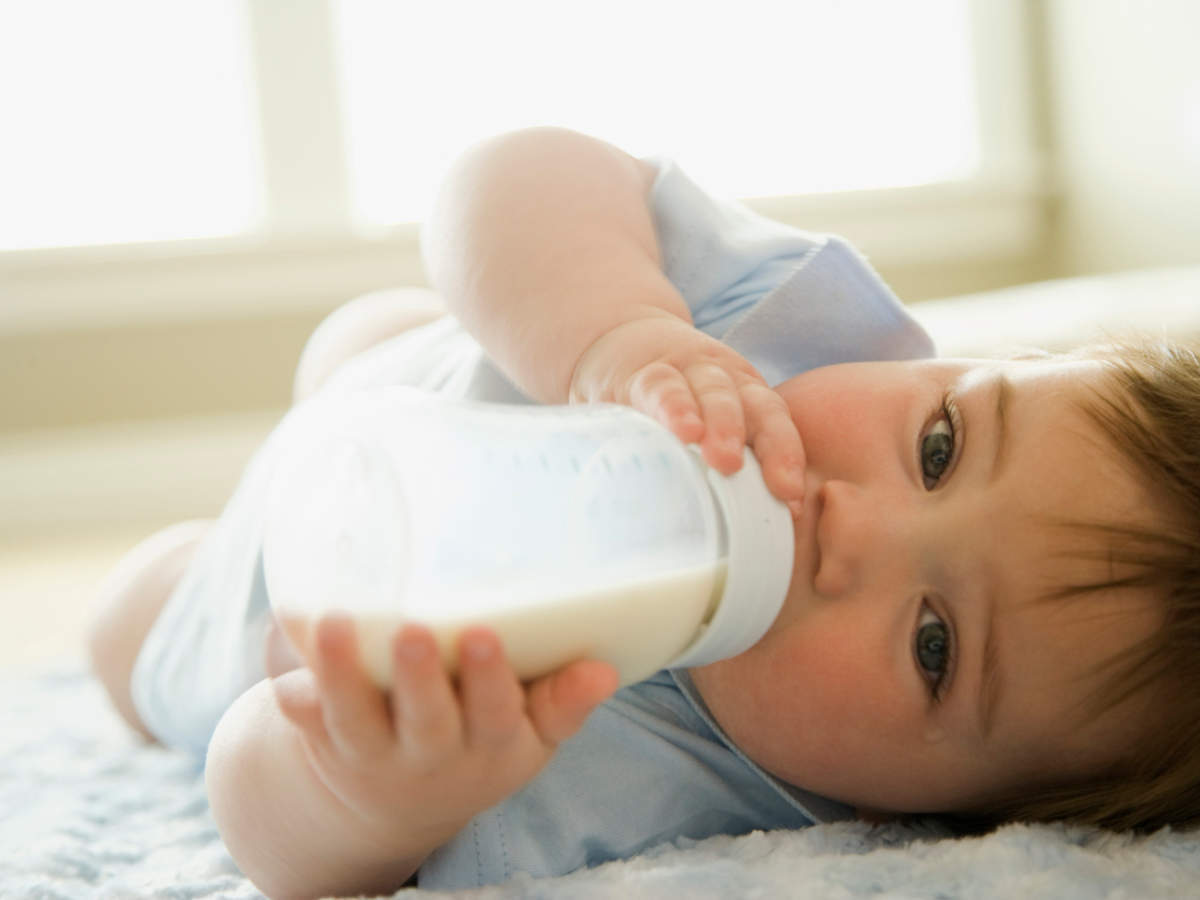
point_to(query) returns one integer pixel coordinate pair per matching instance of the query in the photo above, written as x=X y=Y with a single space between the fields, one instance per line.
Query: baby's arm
x=542 y=242
x=320 y=783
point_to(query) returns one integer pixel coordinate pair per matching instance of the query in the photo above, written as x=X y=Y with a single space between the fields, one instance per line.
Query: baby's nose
x=844 y=529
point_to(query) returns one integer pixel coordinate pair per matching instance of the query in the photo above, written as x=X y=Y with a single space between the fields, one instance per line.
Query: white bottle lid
x=761 y=545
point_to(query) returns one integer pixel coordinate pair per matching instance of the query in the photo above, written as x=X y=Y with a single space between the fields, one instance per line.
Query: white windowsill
x=125 y=475
x=131 y=284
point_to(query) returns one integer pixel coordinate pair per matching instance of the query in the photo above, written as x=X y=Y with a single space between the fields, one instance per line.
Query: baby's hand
x=414 y=765
x=702 y=390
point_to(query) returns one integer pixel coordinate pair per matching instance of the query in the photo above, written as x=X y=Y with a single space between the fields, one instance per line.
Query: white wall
x=1125 y=116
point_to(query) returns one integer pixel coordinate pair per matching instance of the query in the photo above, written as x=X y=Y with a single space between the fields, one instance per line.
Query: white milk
x=639 y=626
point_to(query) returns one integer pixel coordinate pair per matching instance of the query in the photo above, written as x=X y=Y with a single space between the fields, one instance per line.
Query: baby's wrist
x=621 y=350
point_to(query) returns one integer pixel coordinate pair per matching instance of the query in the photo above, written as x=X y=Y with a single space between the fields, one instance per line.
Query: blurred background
x=188 y=186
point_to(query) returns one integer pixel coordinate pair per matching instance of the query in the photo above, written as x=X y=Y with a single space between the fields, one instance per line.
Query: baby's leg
x=132 y=596
x=359 y=325
x=127 y=604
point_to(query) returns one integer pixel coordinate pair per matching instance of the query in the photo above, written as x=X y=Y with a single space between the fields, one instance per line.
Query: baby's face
x=914 y=666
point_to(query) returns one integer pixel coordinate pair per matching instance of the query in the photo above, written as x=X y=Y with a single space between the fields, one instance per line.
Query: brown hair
x=1151 y=415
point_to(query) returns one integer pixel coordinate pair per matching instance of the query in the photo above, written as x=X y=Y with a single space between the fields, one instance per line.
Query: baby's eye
x=937 y=447
x=933 y=650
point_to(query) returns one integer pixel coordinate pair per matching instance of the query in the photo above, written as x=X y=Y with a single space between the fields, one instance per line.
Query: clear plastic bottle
x=573 y=531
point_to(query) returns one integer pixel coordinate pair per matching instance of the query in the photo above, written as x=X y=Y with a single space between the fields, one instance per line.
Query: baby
x=992 y=613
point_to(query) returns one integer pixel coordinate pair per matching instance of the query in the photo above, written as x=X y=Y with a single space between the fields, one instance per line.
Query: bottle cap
x=761 y=544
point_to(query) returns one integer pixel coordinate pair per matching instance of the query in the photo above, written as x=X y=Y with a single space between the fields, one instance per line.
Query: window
x=777 y=98
x=128 y=120
x=270 y=152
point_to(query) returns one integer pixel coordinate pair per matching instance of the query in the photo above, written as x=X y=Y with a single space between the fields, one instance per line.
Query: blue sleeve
x=787 y=300
x=722 y=256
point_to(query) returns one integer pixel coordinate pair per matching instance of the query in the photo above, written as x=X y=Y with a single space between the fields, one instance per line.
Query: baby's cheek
x=842 y=686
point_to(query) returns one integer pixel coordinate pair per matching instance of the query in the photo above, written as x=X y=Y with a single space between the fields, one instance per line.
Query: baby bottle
x=573 y=531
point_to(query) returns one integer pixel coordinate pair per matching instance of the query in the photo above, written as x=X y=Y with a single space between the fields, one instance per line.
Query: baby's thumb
x=560 y=703
x=278 y=654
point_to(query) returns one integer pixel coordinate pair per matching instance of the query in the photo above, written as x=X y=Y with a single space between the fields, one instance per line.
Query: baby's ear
x=875 y=816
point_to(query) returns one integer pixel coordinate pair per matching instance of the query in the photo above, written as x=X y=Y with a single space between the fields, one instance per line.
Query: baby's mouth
x=813 y=507
x=816 y=565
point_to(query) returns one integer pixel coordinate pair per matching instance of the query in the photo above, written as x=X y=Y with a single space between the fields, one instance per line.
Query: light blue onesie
x=649 y=765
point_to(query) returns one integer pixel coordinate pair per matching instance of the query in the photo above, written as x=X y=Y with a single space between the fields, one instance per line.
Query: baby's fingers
x=299 y=700
x=492 y=699
x=278 y=654
x=559 y=703
x=354 y=709
x=776 y=443
x=425 y=711
x=661 y=392
x=724 y=419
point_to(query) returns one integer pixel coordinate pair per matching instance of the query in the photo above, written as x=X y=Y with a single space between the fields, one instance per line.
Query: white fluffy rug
x=86 y=811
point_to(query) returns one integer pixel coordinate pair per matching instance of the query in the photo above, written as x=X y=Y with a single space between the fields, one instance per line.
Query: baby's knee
x=359 y=325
